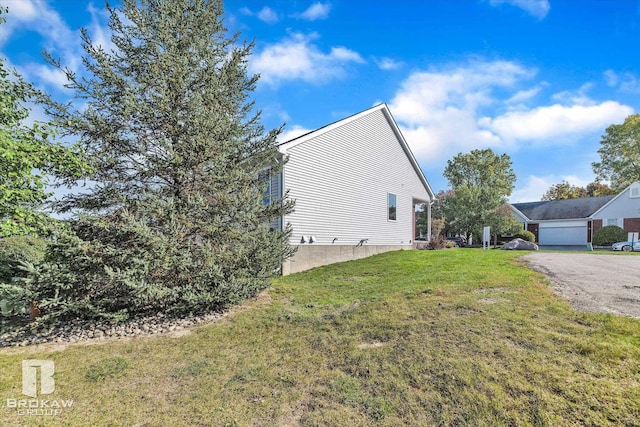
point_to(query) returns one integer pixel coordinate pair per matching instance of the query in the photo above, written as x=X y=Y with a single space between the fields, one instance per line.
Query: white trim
x=542 y=221
x=395 y=200
x=408 y=151
x=518 y=212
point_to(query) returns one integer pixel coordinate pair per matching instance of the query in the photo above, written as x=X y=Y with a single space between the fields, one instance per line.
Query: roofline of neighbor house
x=519 y=212
x=516 y=210
x=540 y=221
x=284 y=146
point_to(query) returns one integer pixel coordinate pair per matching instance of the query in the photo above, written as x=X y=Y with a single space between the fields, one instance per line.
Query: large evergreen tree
x=176 y=219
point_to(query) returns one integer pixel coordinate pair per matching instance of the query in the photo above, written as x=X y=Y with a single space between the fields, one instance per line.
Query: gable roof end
x=636 y=183
x=284 y=146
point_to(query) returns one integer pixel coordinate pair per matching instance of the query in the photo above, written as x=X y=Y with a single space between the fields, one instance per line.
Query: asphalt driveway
x=591 y=282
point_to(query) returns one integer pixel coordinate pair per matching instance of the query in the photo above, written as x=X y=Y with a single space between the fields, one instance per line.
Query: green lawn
x=455 y=337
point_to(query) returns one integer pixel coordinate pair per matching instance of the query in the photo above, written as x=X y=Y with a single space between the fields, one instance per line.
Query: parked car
x=626 y=246
x=458 y=240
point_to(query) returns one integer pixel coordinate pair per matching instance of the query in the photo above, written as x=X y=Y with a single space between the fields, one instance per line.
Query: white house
x=623 y=210
x=355 y=184
x=572 y=222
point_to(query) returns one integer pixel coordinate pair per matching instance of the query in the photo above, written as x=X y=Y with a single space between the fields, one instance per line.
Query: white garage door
x=576 y=235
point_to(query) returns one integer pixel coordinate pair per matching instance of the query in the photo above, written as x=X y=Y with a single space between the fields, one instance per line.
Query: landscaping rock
x=520 y=245
x=33 y=333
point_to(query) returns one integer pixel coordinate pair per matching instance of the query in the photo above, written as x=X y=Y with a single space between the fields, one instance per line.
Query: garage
x=560 y=222
x=565 y=233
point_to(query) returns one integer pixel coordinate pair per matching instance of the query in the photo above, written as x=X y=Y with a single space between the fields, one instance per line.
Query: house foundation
x=310 y=256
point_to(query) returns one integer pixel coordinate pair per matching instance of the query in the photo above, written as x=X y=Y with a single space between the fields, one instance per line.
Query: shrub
x=18 y=255
x=525 y=235
x=439 y=242
x=15 y=250
x=120 y=268
x=609 y=235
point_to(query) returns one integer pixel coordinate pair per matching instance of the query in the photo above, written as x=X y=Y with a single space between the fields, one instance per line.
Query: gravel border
x=71 y=332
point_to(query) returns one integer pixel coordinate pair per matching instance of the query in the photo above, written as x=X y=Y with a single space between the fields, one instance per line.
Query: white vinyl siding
x=340 y=180
x=623 y=206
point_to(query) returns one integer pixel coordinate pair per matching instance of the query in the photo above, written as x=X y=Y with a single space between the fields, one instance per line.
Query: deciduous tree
x=481 y=181
x=597 y=189
x=620 y=154
x=502 y=222
x=28 y=158
x=481 y=168
x=563 y=191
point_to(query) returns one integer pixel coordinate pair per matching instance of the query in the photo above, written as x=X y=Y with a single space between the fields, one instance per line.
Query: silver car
x=626 y=246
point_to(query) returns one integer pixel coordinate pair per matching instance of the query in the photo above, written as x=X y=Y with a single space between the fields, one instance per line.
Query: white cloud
x=438 y=109
x=579 y=96
x=452 y=109
x=537 y=8
x=46 y=75
x=523 y=95
x=24 y=10
x=536 y=186
x=343 y=54
x=611 y=77
x=297 y=58
x=316 y=11
x=625 y=82
x=533 y=189
x=555 y=122
x=99 y=32
x=388 y=64
x=58 y=38
x=294 y=132
x=267 y=15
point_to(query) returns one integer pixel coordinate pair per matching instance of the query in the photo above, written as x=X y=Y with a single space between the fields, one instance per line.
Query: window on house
x=391 y=205
x=634 y=192
x=612 y=221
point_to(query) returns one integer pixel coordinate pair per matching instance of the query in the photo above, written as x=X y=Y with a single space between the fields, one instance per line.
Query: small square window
x=612 y=221
x=391 y=205
x=634 y=192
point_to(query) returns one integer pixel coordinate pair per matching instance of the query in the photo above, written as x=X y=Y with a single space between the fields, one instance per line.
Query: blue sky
x=539 y=80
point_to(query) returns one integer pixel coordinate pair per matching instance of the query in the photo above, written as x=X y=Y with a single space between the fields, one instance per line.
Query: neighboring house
x=355 y=184
x=623 y=210
x=572 y=222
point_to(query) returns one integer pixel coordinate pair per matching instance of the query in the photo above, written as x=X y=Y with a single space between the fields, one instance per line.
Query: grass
x=457 y=337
